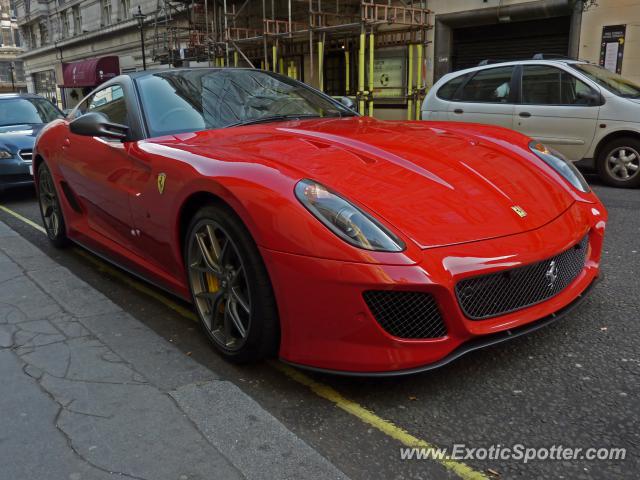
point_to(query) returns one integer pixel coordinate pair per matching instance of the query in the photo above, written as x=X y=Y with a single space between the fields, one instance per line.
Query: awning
x=91 y=72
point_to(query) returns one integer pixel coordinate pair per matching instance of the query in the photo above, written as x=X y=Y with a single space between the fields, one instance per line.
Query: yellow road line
x=367 y=416
x=23 y=219
x=387 y=427
x=130 y=281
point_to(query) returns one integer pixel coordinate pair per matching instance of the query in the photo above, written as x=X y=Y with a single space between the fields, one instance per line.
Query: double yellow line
x=324 y=391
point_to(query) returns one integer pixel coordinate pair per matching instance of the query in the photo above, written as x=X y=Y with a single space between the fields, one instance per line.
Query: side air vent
x=71 y=198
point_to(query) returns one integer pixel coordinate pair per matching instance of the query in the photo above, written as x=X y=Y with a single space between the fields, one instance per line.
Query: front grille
x=406 y=314
x=26 y=155
x=510 y=290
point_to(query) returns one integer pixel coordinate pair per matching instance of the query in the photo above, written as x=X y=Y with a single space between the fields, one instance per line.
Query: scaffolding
x=277 y=34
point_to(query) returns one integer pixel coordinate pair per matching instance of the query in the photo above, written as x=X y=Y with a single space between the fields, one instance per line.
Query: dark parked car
x=21 y=118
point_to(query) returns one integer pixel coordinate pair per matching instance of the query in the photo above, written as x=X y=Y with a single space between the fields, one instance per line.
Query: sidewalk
x=88 y=392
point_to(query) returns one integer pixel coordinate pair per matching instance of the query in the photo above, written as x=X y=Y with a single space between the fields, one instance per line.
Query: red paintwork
x=446 y=189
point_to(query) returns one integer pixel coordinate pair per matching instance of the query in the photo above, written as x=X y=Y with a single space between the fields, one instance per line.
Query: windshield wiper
x=280 y=118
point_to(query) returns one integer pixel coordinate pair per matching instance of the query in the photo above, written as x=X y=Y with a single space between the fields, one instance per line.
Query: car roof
x=20 y=95
x=145 y=73
x=563 y=61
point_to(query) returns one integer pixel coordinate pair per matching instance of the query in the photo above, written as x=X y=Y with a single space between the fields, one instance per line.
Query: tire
x=618 y=163
x=52 y=216
x=230 y=288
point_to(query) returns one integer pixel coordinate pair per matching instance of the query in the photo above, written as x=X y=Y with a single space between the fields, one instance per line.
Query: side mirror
x=98 y=125
x=347 y=102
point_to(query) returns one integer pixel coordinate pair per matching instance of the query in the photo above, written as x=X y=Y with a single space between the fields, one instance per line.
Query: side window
x=545 y=85
x=108 y=101
x=492 y=85
x=449 y=89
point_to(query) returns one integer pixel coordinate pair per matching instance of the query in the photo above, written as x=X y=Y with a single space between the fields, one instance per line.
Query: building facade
x=326 y=43
x=57 y=33
x=11 y=71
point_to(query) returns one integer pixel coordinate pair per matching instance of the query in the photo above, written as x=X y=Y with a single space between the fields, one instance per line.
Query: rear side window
x=449 y=89
x=492 y=85
x=545 y=85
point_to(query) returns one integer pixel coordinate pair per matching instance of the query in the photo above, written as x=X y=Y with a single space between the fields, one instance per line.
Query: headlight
x=563 y=167
x=346 y=220
x=5 y=153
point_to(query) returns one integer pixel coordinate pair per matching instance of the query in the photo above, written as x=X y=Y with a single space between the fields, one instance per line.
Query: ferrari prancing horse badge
x=519 y=210
x=162 y=178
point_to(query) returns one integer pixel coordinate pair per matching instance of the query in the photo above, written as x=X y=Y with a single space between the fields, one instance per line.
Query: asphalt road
x=575 y=383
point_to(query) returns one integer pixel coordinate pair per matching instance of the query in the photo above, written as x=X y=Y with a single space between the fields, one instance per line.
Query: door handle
x=525 y=114
x=458 y=110
x=66 y=143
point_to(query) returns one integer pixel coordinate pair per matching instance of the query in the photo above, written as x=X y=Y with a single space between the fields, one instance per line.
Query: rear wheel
x=230 y=286
x=619 y=162
x=52 y=217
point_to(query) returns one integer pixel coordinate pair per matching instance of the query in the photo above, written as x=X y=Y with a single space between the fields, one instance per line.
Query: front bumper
x=14 y=172
x=482 y=341
x=327 y=325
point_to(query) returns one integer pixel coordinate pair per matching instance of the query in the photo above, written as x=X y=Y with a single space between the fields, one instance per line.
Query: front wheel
x=50 y=210
x=619 y=162
x=230 y=287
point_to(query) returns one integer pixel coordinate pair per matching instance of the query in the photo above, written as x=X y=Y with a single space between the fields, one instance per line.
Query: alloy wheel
x=220 y=285
x=49 y=205
x=623 y=163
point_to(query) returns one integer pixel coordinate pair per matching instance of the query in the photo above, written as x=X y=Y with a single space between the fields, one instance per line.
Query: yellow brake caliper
x=213 y=285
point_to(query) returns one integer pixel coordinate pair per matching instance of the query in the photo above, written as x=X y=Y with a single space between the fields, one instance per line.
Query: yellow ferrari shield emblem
x=519 y=210
x=162 y=178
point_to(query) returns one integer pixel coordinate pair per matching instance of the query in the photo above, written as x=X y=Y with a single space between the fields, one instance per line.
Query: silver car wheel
x=219 y=284
x=48 y=203
x=623 y=163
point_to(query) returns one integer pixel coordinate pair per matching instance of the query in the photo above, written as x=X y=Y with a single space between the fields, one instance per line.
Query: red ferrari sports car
x=297 y=227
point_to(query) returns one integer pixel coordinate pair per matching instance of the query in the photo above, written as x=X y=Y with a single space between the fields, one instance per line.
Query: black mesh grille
x=406 y=314
x=503 y=292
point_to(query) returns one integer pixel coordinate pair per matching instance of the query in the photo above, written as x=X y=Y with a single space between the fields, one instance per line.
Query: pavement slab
x=246 y=433
x=93 y=393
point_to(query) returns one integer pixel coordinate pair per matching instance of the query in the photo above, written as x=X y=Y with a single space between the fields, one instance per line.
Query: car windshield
x=192 y=100
x=27 y=111
x=613 y=82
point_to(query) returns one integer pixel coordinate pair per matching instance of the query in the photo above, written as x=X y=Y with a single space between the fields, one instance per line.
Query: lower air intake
x=406 y=314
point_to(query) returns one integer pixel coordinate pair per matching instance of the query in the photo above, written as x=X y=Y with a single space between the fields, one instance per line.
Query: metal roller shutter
x=510 y=41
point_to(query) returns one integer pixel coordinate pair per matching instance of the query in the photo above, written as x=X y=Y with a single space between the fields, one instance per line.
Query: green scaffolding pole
x=371 y=47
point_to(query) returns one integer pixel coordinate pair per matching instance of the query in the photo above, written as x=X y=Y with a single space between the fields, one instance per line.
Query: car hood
x=19 y=137
x=438 y=183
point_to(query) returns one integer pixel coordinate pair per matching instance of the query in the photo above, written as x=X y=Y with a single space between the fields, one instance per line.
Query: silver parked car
x=582 y=110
